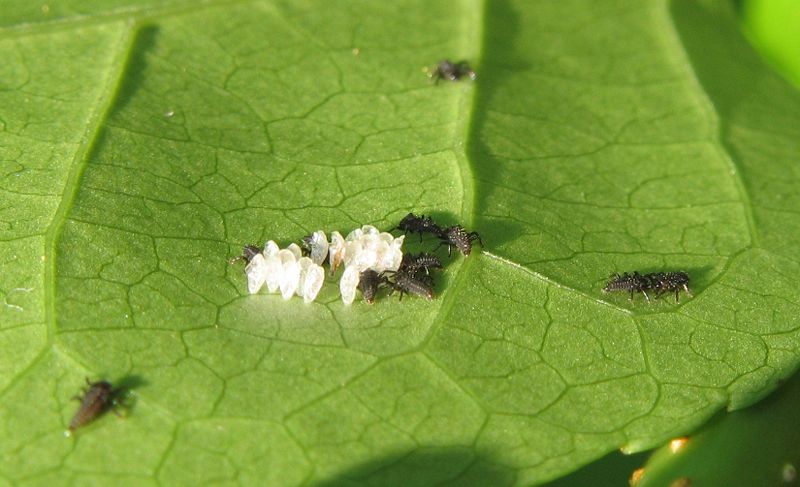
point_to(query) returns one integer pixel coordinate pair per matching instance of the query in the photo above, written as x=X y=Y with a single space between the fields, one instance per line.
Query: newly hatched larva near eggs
x=316 y=246
x=422 y=224
x=451 y=71
x=367 y=248
x=369 y=282
x=422 y=261
x=457 y=237
x=297 y=270
x=98 y=398
x=248 y=252
x=407 y=283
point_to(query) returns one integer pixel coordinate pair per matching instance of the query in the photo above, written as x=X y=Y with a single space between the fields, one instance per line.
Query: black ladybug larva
x=369 y=282
x=97 y=398
x=407 y=283
x=667 y=282
x=658 y=282
x=628 y=282
x=248 y=252
x=457 y=237
x=423 y=261
x=422 y=224
x=451 y=71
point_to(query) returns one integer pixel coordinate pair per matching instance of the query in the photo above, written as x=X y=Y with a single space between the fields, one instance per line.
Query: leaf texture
x=143 y=143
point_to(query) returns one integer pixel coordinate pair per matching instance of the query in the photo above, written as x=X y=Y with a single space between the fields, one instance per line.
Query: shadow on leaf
x=502 y=33
x=134 y=75
x=441 y=467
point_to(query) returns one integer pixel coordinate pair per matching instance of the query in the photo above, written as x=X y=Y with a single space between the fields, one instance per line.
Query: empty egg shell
x=270 y=248
x=348 y=284
x=296 y=250
x=319 y=247
x=256 y=271
x=311 y=278
x=274 y=270
x=356 y=234
x=290 y=273
x=336 y=251
x=369 y=230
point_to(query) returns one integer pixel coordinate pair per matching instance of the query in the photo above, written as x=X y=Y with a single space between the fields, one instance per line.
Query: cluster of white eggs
x=289 y=272
x=284 y=270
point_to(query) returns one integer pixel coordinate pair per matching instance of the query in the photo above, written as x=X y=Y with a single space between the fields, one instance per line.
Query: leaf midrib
x=104 y=103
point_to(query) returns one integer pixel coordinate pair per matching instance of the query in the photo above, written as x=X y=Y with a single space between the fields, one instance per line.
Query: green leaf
x=142 y=144
x=772 y=27
x=757 y=446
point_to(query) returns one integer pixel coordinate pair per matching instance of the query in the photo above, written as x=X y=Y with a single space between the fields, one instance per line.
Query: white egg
x=290 y=273
x=369 y=230
x=311 y=278
x=348 y=284
x=319 y=247
x=337 y=251
x=296 y=250
x=270 y=248
x=274 y=270
x=256 y=271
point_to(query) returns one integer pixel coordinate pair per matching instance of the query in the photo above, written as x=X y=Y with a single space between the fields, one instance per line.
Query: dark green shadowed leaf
x=756 y=446
x=143 y=143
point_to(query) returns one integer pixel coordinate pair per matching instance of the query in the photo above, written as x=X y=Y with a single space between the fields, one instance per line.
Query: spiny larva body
x=631 y=283
x=666 y=282
x=422 y=261
x=97 y=399
x=457 y=237
x=369 y=283
x=422 y=224
x=451 y=71
x=658 y=282
x=407 y=283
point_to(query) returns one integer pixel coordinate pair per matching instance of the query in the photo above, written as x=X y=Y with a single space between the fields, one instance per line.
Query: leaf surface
x=756 y=446
x=142 y=144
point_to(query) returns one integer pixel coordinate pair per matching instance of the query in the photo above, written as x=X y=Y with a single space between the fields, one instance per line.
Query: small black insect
x=305 y=245
x=628 y=282
x=658 y=282
x=422 y=261
x=451 y=71
x=369 y=282
x=667 y=282
x=248 y=252
x=407 y=283
x=457 y=237
x=422 y=224
x=98 y=398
